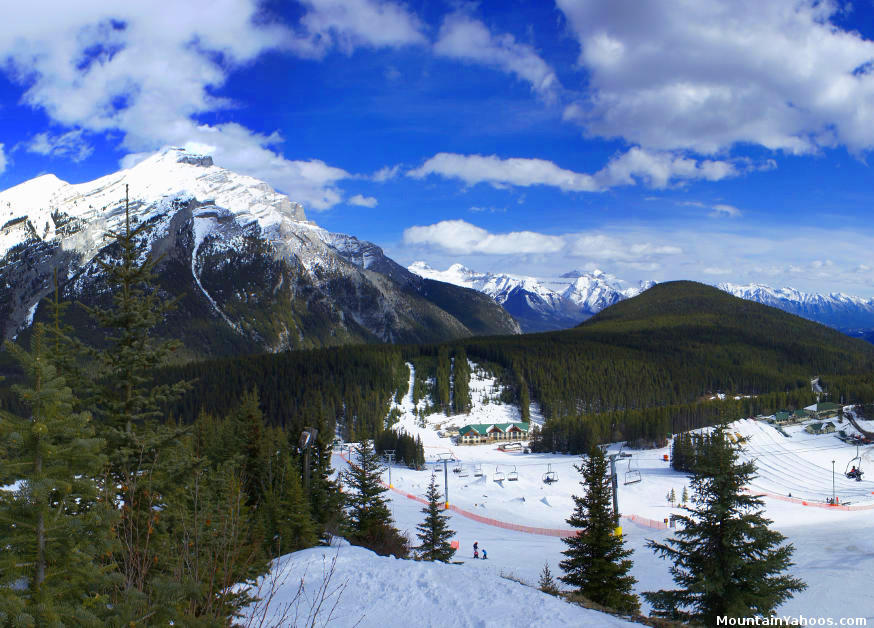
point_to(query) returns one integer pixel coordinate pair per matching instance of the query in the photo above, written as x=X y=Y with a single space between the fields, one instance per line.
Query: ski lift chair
x=550 y=476
x=632 y=476
x=854 y=471
x=457 y=468
x=513 y=476
x=499 y=475
x=478 y=471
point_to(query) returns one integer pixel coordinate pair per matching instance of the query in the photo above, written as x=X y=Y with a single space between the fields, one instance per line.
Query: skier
x=485 y=556
x=475 y=553
x=476 y=549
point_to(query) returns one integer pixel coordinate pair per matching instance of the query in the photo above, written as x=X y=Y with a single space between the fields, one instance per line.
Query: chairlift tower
x=307 y=438
x=614 y=479
x=389 y=456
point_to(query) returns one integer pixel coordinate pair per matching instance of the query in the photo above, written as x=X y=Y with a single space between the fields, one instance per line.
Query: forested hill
x=638 y=370
x=708 y=315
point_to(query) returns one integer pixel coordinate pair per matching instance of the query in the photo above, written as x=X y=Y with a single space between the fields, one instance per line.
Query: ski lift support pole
x=307 y=438
x=389 y=454
x=446 y=482
x=614 y=480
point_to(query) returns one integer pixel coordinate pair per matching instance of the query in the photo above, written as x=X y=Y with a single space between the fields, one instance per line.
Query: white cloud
x=2 y=159
x=362 y=201
x=716 y=270
x=703 y=253
x=703 y=76
x=719 y=210
x=147 y=70
x=606 y=248
x=70 y=144
x=722 y=209
x=464 y=38
x=473 y=169
x=351 y=24
x=489 y=209
x=386 y=173
x=459 y=236
x=657 y=170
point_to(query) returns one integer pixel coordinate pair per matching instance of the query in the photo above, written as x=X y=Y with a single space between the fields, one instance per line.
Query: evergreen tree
x=547 y=583
x=370 y=522
x=434 y=532
x=727 y=561
x=597 y=562
x=250 y=434
x=53 y=527
x=325 y=497
x=685 y=496
x=148 y=465
x=285 y=509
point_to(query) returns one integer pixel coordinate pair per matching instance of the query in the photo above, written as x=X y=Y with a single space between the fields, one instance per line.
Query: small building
x=787 y=417
x=784 y=417
x=824 y=410
x=488 y=432
x=820 y=428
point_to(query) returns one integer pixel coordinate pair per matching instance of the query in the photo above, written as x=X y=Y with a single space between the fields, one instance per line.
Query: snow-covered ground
x=369 y=590
x=834 y=548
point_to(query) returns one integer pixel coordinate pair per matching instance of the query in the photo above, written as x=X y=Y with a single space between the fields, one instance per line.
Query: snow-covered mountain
x=838 y=310
x=255 y=273
x=540 y=304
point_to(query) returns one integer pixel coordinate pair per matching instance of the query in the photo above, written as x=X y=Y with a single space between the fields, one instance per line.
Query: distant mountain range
x=549 y=304
x=254 y=273
x=850 y=314
x=538 y=304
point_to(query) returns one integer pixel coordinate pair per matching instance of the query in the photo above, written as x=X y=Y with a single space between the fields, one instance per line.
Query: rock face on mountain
x=253 y=272
x=541 y=305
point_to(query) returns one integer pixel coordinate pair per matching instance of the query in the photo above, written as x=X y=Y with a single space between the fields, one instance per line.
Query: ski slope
x=834 y=548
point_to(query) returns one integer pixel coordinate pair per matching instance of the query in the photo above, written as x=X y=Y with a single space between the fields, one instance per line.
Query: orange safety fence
x=808 y=502
x=637 y=519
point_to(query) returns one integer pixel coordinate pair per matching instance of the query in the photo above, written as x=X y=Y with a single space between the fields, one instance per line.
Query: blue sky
x=667 y=139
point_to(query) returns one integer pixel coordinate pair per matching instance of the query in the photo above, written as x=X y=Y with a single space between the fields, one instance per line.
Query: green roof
x=483 y=428
x=783 y=415
x=825 y=406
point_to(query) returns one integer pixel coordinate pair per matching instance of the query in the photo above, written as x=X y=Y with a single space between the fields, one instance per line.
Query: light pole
x=833 y=481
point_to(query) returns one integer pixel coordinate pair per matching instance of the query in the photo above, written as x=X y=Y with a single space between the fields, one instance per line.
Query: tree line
x=117 y=512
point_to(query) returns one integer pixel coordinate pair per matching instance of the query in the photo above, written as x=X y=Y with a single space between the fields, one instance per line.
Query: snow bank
x=370 y=590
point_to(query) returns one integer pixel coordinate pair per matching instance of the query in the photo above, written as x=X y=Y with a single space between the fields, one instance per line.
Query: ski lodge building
x=824 y=410
x=485 y=432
